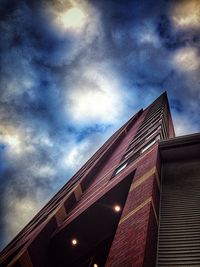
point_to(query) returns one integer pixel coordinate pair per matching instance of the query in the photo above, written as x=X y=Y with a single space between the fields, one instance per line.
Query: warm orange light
x=95 y=265
x=117 y=208
x=74 y=242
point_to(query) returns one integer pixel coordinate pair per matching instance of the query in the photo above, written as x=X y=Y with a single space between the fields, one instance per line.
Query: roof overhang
x=185 y=147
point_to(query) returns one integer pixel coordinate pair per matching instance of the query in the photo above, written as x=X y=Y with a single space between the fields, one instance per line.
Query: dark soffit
x=185 y=147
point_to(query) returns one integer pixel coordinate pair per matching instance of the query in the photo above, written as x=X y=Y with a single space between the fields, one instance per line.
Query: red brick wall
x=128 y=247
x=171 y=127
x=136 y=236
x=151 y=241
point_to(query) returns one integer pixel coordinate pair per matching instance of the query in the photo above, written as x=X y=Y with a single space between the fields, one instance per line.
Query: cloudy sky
x=72 y=72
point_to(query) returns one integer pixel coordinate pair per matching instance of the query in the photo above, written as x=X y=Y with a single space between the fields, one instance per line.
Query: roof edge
x=180 y=141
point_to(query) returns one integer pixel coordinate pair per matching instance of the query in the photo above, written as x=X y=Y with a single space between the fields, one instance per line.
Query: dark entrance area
x=86 y=241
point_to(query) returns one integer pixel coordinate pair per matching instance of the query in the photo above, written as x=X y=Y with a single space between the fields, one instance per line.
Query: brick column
x=136 y=236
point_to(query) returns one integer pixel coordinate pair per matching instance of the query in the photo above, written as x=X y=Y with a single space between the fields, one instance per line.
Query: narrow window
x=150 y=144
x=129 y=153
x=121 y=167
x=149 y=136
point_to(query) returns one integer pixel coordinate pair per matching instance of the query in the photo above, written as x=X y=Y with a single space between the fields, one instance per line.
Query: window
x=148 y=123
x=149 y=136
x=148 y=145
x=129 y=153
x=164 y=127
x=136 y=138
x=138 y=153
x=155 y=127
x=149 y=116
x=121 y=167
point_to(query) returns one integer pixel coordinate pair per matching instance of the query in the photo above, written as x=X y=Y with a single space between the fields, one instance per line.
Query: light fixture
x=74 y=241
x=95 y=265
x=117 y=208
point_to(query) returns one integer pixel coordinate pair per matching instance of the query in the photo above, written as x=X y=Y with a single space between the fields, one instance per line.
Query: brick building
x=109 y=212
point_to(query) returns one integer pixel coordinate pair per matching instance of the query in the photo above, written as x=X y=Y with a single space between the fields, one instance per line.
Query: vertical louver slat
x=179 y=232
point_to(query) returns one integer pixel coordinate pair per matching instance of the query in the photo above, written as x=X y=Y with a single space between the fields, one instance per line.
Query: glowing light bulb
x=74 y=242
x=117 y=208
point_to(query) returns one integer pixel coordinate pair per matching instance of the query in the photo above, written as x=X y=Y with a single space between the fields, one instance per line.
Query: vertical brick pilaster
x=138 y=225
x=128 y=248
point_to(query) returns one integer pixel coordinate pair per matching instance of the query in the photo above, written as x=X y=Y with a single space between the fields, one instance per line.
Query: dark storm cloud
x=142 y=42
x=133 y=42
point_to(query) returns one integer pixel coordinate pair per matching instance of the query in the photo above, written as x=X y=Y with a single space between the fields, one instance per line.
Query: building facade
x=109 y=212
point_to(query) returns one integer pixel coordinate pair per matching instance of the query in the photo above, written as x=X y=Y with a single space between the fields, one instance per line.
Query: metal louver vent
x=179 y=233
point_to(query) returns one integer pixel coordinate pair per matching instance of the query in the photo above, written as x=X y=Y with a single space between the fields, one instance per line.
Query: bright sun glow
x=73 y=18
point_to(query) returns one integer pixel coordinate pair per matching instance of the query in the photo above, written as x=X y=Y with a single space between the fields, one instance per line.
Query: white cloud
x=16 y=140
x=22 y=140
x=184 y=124
x=18 y=78
x=149 y=38
x=186 y=14
x=18 y=212
x=146 y=34
x=95 y=96
x=186 y=59
x=75 y=155
x=45 y=171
